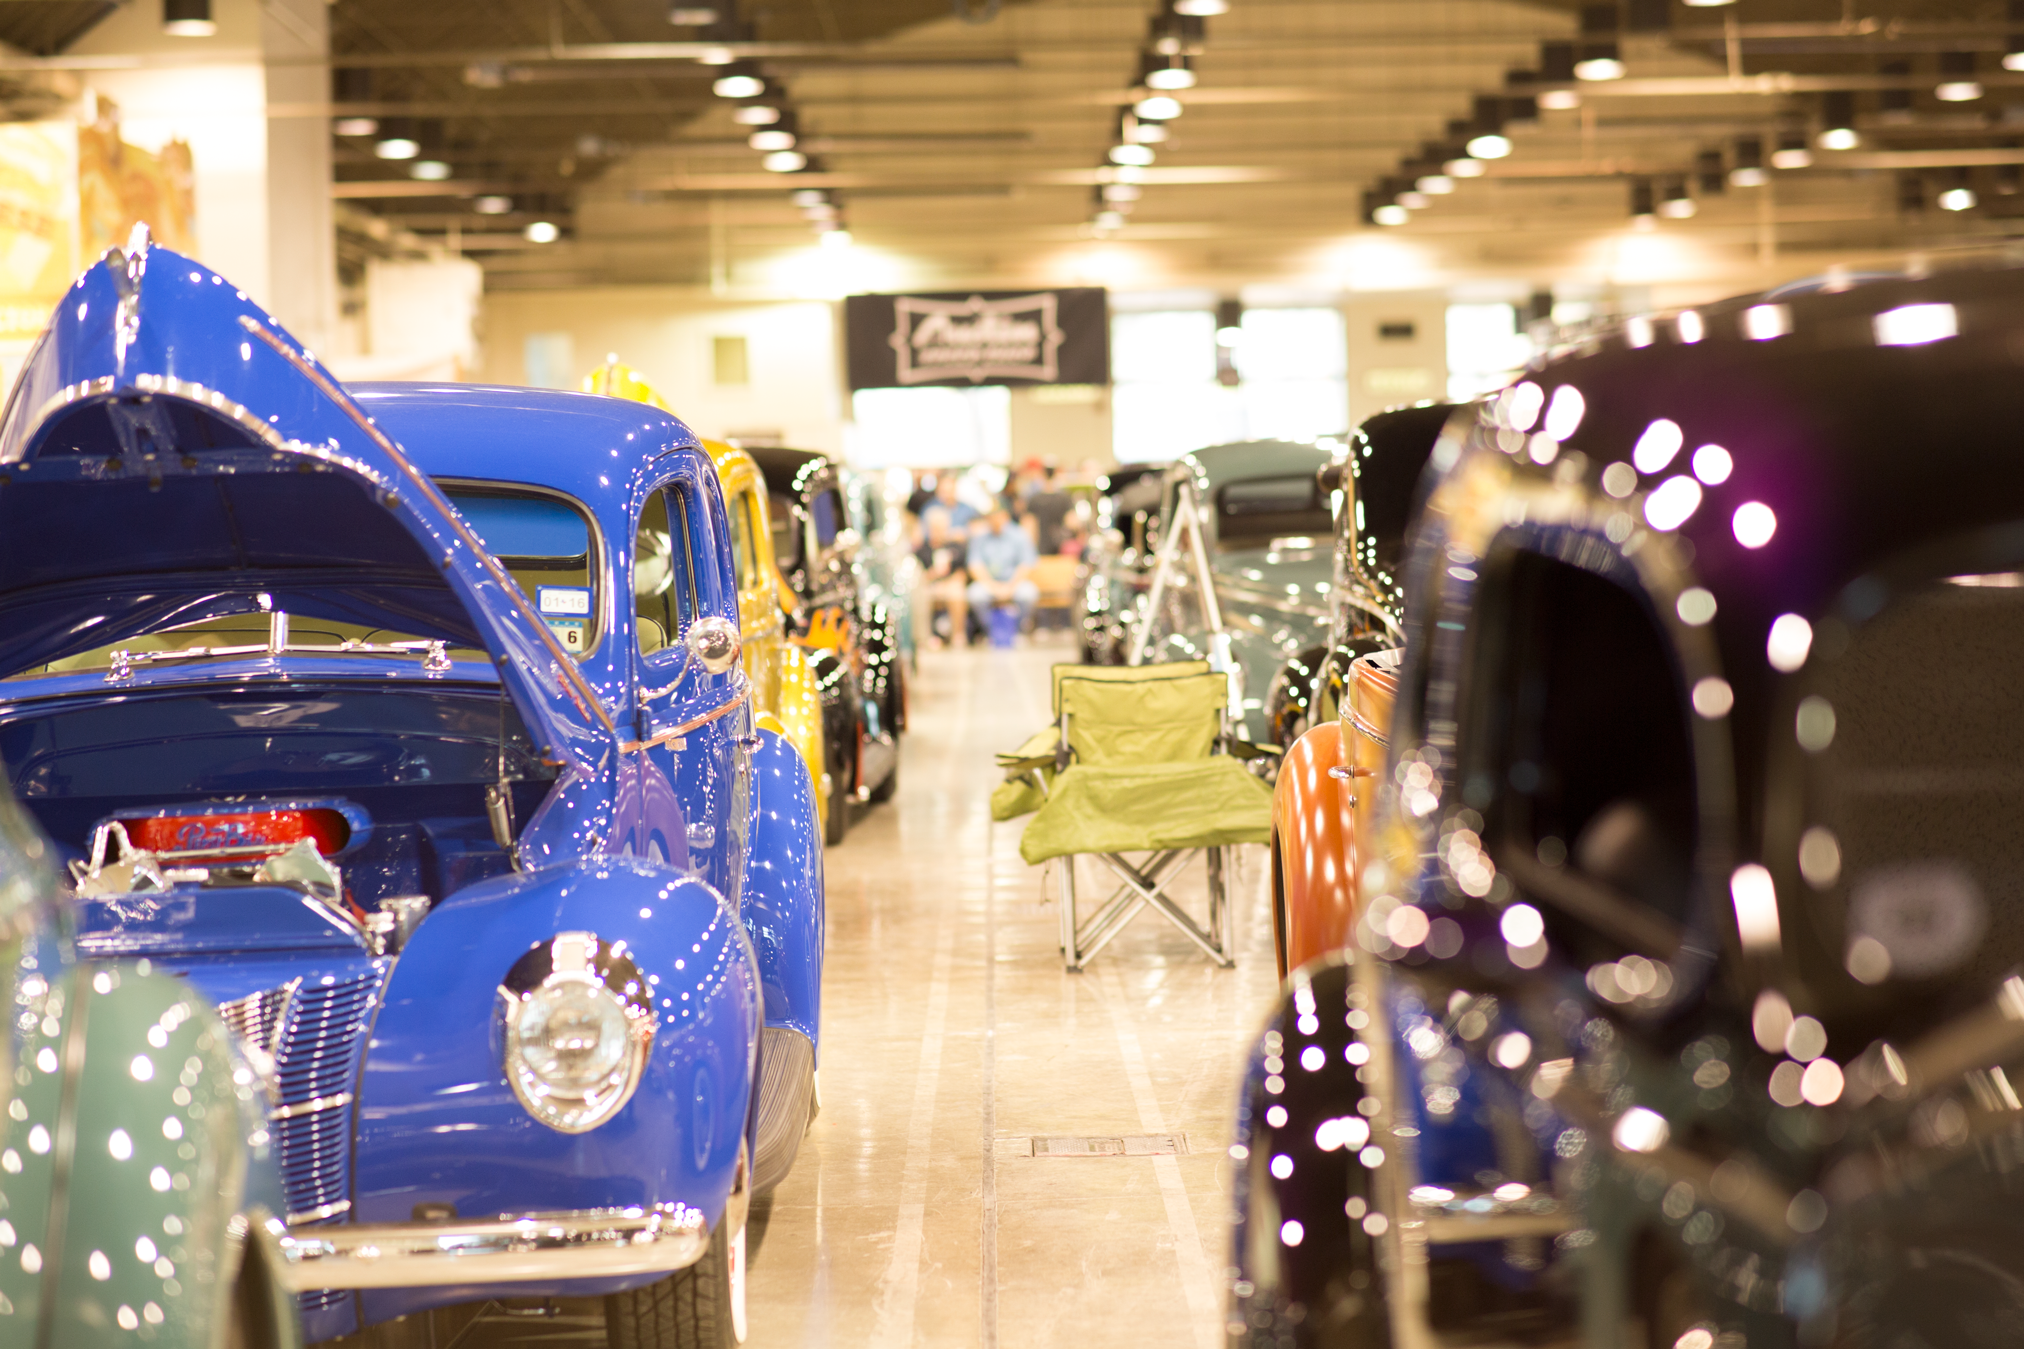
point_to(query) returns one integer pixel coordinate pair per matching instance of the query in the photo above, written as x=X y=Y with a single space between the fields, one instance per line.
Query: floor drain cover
x=1077 y=1145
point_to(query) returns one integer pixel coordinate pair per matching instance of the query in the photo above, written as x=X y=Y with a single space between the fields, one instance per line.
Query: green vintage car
x=137 y=1187
x=1268 y=536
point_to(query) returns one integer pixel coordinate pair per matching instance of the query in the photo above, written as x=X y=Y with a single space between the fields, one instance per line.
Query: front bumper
x=580 y=1244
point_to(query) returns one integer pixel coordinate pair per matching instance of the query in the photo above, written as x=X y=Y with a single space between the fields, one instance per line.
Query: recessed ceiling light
x=1599 y=68
x=1436 y=184
x=1131 y=154
x=1838 y=138
x=771 y=140
x=756 y=114
x=1752 y=176
x=1157 y=108
x=1464 y=168
x=397 y=147
x=1957 y=199
x=1492 y=146
x=1560 y=100
x=738 y=86
x=429 y=170
x=784 y=161
x=1391 y=215
x=1170 y=77
x=542 y=232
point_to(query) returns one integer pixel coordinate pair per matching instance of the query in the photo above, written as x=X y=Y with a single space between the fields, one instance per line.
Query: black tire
x=885 y=790
x=690 y=1309
x=837 y=822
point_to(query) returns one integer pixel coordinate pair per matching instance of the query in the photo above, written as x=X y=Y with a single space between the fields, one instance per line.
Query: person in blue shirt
x=1001 y=560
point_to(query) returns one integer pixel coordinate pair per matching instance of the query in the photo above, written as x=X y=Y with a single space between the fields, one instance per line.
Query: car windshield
x=1912 y=732
x=546 y=543
x=1251 y=512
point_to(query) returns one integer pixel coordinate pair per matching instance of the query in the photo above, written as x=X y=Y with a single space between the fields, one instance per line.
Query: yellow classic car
x=783 y=686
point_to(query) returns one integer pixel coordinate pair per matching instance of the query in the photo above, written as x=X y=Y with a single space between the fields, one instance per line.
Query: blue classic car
x=435 y=767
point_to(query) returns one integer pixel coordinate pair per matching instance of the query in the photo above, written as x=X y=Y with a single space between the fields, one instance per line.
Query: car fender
x=1313 y=844
x=438 y=1121
x=799 y=715
x=879 y=642
x=168 y=1180
x=782 y=899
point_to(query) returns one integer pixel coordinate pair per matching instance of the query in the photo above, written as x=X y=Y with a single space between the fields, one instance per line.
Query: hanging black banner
x=978 y=337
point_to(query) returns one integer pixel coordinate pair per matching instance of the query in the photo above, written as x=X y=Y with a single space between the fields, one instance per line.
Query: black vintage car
x=1685 y=1006
x=1373 y=485
x=1116 y=563
x=852 y=642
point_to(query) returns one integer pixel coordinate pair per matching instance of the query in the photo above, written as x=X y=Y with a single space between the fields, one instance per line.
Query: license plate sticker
x=569 y=600
x=571 y=632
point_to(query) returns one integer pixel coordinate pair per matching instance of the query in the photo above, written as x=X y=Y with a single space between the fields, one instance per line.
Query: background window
x=740 y=510
x=1292 y=366
x=930 y=428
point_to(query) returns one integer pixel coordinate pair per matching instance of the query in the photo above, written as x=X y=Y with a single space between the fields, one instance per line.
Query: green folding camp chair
x=1138 y=761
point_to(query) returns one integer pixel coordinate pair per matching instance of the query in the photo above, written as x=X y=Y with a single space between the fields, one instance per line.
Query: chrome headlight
x=578 y=1023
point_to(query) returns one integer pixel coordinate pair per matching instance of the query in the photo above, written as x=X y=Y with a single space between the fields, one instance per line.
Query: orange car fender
x=1313 y=843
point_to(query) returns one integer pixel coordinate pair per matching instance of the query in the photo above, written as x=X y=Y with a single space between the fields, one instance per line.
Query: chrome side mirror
x=715 y=643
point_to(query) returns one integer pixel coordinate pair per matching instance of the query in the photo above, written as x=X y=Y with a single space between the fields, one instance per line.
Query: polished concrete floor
x=917 y=1213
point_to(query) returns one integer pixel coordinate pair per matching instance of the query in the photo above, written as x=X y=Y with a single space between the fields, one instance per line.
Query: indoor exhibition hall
x=1301 y=674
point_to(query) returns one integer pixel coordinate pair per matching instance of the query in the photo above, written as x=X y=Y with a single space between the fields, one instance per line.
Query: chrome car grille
x=306 y=1038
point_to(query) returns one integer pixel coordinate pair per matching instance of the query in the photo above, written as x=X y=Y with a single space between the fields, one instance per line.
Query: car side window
x=786 y=543
x=664 y=574
x=740 y=508
x=1588 y=778
x=826 y=511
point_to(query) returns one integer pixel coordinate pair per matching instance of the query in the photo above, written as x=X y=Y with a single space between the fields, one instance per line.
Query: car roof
x=1217 y=464
x=586 y=445
x=1862 y=449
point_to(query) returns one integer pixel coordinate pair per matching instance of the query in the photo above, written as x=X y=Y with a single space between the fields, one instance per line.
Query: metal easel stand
x=1184 y=531
x=1145 y=885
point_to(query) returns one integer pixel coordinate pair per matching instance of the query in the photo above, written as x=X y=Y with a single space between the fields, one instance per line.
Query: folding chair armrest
x=1244 y=749
x=1014 y=767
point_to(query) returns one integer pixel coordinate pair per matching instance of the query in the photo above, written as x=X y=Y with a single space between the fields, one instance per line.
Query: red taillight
x=252 y=834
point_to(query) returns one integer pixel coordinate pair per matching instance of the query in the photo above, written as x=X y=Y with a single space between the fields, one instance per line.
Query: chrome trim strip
x=582 y=1244
x=1365 y=729
x=309 y=1107
x=321 y=1212
x=635 y=746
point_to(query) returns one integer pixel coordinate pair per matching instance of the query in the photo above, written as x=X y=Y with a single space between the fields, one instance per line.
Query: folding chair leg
x=1067 y=865
x=1219 y=906
x=1149 y=886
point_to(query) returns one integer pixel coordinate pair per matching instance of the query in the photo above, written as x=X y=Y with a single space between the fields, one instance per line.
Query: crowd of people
x=980 y=546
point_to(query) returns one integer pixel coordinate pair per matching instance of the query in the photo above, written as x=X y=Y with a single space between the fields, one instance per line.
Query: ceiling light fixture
x=771 y=140
x=1706 y=4
x=1598 y=57
x=1491 y=146
x=1391 y=215
x=741 y=82
x=715 y=56
x=429 y=170
x=1435 y=184
x=1109 y=220
x=1792 y=152
x=1677 y=205
x=492 y=205
x=810 y=196
x=1560 y=100
x=1642 y=202
x=541 y=232
x=397 y=147
x=692 y=16
x=1201 y=9
x=1959 y=84
x=836 y=238
x=1137 y=155
x=784 y=161
x=2013 y=50
x=1413 y=201
x=1157 y=108
x=1599 y=68
x=1708 y=169
x=1171 y=77
x=1957 y=199
x=756 y=114
x=1148 y=133
x=1837 y=121
x=356 y=126
x=188 y=18
x=1465 y=167
x=1749 y=163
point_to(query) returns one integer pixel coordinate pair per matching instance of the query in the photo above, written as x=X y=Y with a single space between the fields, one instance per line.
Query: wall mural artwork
x=68 y=192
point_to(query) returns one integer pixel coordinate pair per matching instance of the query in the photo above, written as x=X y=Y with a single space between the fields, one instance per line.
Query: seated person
x=1001 y=560
x=946 y=522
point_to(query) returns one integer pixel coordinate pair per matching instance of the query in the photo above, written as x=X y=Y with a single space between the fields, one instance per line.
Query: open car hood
x=171 y=454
